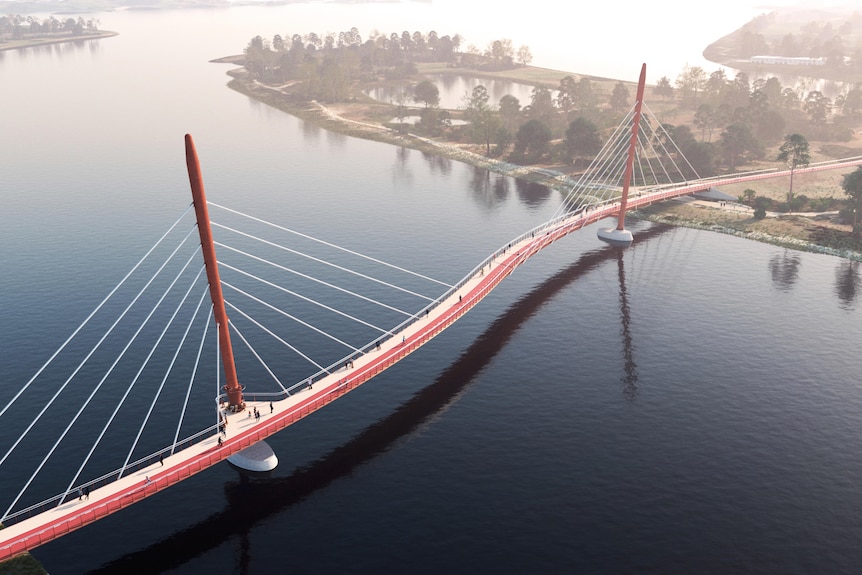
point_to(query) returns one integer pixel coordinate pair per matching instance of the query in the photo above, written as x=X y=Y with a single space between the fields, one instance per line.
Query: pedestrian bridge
x=607 y=189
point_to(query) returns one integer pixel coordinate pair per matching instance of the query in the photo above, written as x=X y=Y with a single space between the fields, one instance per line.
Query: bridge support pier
x=616 y=237
x=258 y=457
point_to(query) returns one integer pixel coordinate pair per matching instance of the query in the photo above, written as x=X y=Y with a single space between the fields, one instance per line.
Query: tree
x=736 y=141
x=794 y=153
x=582 y=138
x=566 y=94
x=585 y=96
x=619 y=97
x=531 y=141
x=510 y=111
x=663 y=88
x=427 y=93
x=704 y=119
x=690 y=81
x=524 y=56
x=852 y=185
x=542 y=104
x=817 y=106
x=481 y=116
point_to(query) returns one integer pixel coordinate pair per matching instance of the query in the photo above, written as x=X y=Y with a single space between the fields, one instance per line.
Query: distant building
x=788 y=61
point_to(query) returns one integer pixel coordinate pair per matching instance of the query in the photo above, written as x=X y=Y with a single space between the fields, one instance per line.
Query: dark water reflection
x=438 y=164
x=784 y=269
x=254 y=498
x=847 y=283
x=531 y=194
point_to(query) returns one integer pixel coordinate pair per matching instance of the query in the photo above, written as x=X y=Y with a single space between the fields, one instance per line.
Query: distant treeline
x=328 y=64
x=17 y=27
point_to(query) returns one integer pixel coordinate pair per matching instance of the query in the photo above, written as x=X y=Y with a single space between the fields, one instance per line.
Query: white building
x=786 y=60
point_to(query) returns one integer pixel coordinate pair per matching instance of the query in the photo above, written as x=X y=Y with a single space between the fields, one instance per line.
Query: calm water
x=689 y=405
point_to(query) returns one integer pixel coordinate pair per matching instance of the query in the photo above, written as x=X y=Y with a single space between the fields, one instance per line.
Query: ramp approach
x=227 y=418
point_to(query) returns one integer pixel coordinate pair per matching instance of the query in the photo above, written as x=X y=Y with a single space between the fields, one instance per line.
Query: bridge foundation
x=258 y=457
x=616 y=237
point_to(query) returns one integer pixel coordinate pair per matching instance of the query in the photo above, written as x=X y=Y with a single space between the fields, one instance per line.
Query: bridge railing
x=107 y=478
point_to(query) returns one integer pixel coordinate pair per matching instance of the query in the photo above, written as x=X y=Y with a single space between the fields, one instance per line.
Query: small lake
x=454 y=88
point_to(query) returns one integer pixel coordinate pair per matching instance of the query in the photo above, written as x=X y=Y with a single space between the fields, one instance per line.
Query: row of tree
x=17 y=27
x=733 y=120
x=328 y=64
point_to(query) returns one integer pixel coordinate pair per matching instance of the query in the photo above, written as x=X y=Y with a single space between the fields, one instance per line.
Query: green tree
x=427 y=93
x=690 y=81
x=585 y=95
x=566 y=94
x=510 y=111
x=582 y=138
x=531 y=141
x=619 y=97
x=817 y=106
x=704 y=120
x=852 y=185
x=736 y=142
x=541 y=105
x=524 y=56
x=663 y=88
x=481 y=116
x=794 y=153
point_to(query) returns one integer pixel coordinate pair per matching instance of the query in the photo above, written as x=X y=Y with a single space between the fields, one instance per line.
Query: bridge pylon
x=620 y=236
x=232 y=386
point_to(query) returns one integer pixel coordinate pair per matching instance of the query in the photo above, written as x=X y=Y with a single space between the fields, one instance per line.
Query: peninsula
x=722 y=125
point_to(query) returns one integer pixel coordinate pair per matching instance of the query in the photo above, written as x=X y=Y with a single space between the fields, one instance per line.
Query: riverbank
x=48 y=40
x=815 y=233
x=364 y=117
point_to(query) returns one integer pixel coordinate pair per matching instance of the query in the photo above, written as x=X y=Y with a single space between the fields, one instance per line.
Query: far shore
x=366 y=118
x=45 y=41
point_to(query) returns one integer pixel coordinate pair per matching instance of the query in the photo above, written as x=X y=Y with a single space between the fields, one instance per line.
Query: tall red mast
x=633 y=143
x=232 y=387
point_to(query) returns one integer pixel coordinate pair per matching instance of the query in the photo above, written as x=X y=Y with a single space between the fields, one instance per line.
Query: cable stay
x=93 y=313
x=287 y=315
x=314 y=279
x=256 y=355
x=313 y=258
x=150 y=355
x=84 y=361
x=331 y=245
x=315 y=302
x=194 y=370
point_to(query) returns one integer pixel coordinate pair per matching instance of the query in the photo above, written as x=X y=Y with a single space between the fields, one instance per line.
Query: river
x=689 y=405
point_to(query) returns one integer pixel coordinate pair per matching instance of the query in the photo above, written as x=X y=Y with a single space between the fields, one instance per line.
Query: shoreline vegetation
x=54 y=39
x=363 y=117
x=357 y=114
x=19 y=32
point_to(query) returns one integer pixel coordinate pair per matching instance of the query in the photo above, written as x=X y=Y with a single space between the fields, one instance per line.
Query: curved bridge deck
x=243 y=431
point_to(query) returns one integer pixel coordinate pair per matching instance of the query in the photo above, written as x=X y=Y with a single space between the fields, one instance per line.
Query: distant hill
x=833 y=34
